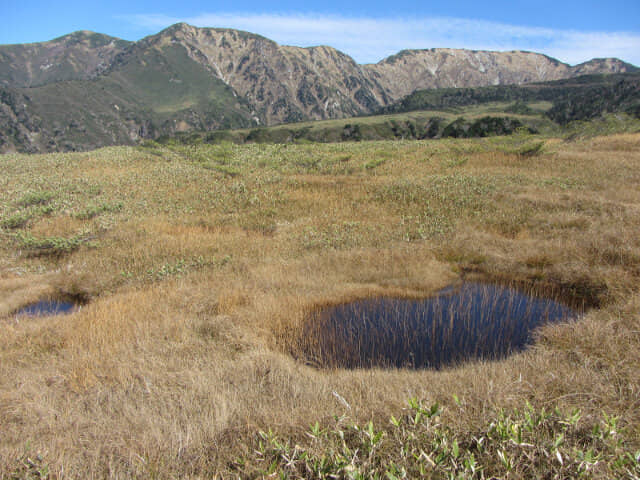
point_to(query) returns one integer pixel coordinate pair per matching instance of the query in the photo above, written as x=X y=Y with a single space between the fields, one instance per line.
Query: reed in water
x=472 y=321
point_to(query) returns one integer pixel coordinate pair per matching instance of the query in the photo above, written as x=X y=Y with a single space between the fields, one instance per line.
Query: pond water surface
x=47 y=307
x=468 y=322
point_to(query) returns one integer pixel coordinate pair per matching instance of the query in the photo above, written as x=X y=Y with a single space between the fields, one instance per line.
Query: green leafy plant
x=531 y=443
x=30 y=467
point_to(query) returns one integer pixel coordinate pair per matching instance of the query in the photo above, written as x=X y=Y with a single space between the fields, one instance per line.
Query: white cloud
x=369 y=40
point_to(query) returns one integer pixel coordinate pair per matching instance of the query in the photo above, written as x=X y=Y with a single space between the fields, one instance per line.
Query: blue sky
x=572 y=31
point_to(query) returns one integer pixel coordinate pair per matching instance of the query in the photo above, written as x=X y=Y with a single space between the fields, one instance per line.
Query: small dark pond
x=47 y=307
x=462 y=323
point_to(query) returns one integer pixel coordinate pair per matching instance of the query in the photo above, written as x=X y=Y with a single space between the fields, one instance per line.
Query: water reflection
x=469 y=322
x=47 y=307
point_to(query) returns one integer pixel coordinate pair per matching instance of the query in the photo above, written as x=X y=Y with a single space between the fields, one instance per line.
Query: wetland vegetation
x=202 y=261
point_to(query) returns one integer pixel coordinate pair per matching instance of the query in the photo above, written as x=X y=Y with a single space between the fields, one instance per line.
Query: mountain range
x=85 y=90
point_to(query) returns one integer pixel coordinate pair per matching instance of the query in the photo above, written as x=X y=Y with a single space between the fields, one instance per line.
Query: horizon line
x=290 y=44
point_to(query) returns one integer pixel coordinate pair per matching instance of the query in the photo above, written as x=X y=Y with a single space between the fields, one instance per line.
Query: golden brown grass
x=196 y=281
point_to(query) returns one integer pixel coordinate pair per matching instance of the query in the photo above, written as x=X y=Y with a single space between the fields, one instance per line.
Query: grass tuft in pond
x=473 y=321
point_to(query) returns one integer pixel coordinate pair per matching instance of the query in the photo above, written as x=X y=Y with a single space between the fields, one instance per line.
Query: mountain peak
x=79 y=33
x=178 y=27
x=93 y=39
x=604 y=65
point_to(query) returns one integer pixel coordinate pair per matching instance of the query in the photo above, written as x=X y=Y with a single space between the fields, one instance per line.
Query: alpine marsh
x=199 y=263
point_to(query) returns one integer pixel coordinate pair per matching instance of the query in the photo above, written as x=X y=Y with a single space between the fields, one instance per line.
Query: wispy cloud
x=369 y=40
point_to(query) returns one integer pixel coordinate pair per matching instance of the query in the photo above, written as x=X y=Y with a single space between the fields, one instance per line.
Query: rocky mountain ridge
x=411 y=70
x=85 y=90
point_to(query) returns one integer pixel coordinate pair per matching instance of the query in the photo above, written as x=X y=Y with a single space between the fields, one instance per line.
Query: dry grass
x=197 y=275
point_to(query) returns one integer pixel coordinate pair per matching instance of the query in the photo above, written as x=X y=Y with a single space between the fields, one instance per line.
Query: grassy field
x=196 y=266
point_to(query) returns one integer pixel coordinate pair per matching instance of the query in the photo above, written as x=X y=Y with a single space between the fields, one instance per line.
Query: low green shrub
x=15 y=221
x=94 y=210
x=35 y=198
x=51 y=246
x=530 y=149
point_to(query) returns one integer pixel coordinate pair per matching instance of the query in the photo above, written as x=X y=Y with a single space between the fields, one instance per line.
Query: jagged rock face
x=281 y=83
x=77 y=56
x=412 y=70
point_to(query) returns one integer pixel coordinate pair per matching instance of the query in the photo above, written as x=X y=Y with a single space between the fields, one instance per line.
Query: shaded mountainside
x=596 y=100
x=18 y=126
x=87 y=90
x=580 y=98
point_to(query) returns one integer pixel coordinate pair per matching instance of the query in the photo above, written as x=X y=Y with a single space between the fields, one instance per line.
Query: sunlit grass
x=200 y=262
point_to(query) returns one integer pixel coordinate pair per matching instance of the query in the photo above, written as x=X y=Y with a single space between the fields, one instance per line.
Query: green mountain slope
x=146 y=92
x=551 y=108
x=175 y=88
